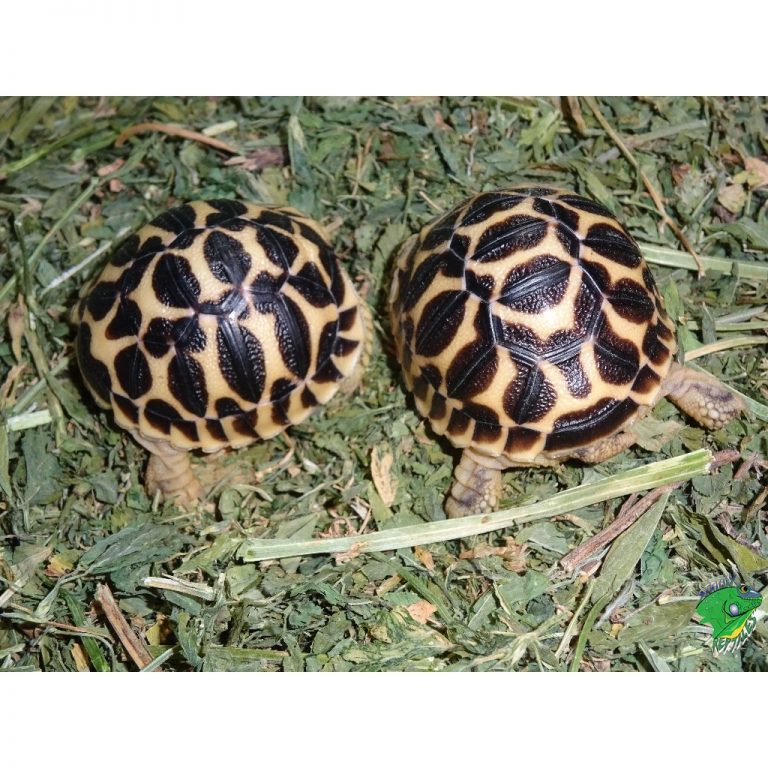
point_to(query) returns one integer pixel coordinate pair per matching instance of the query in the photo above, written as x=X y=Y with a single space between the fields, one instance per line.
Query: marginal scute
x=95 y=373
x=127 y=408
x=484 y=206
x=126 y=252
x=567 y=216
x=520 y=440
x=441 y=231
x=415 y=285
x=437 y=409
x=585 y=204
x=161 y=414
x=347 y=319
x=459 y=423
x=653 y=347
x=189 y=430
x=579 y=428
x=647 y=381
x=227 y=209
x=215 y=430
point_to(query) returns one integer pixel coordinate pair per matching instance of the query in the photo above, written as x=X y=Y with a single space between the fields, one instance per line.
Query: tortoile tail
x=217 y=324
x=530 y=331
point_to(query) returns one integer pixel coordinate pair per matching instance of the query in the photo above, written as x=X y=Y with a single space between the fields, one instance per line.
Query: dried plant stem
x=125 y=634
x=719 y=346
x=175 y=130
x=652 y=191
x=642 y=478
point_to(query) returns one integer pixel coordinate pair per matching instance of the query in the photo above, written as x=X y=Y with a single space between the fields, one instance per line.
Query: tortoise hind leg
x=476 y=488
x=170 y=472
x=701 y=396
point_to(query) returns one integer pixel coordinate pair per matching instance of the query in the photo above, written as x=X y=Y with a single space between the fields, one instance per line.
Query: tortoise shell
x=219 y=323
x=528 y=324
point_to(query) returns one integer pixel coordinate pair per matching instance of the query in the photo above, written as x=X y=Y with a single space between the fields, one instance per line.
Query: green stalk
x=589 y=622
x=92 y=648
x=10 y=285
x=669 y=257
x=39 y=154
x=635 y=480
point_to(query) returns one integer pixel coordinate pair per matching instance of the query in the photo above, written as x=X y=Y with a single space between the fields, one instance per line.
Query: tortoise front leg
x=170 y=472
x=476 y=488
x=701 y=396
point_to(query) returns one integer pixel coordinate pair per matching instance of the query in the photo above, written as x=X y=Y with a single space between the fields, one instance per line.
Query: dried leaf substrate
x=94 y=575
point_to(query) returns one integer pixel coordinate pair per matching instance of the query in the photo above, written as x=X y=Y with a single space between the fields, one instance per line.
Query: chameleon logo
x=728 y=608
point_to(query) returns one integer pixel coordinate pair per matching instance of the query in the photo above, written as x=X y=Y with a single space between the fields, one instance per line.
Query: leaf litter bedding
x=328 y=549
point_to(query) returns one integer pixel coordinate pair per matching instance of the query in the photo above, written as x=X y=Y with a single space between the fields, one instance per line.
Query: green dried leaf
x=725 y=549
x=752 y=233
x=221 y=659
x=653 y=434
x=656 y=624
x=105 y=487
x=92 y=647
x=516 y=590
x=132 y=546
x=41 y=466
x=626 y=551
x=5 y=478
x=188 y=633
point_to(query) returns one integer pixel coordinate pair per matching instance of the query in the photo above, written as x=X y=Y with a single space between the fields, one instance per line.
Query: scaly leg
x=701 y=396
x=476 y=487
x=170 y=472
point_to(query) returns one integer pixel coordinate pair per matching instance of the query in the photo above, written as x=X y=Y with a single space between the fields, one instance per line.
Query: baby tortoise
x=217 y=324
x=530 y=331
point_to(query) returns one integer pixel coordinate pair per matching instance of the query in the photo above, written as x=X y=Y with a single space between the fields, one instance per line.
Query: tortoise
x=219 y=323
x=530 y=331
